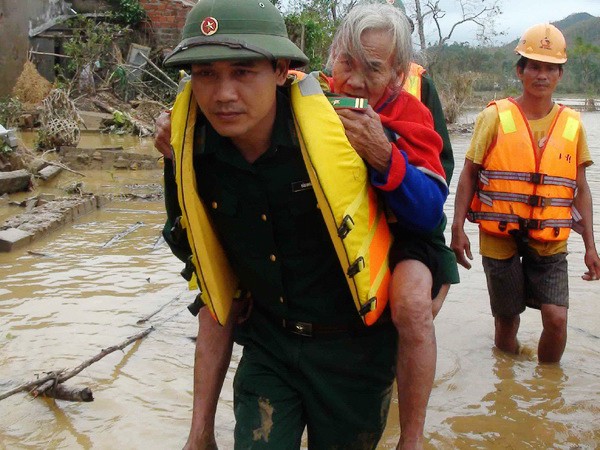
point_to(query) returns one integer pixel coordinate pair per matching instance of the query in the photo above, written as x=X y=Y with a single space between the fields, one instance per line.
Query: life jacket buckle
x=346 y=226
x=371 y=305
x=356 y=267
x=536 y=200
x=188 y=270
x=536 y=178
x=177 y=231
x=530 y=224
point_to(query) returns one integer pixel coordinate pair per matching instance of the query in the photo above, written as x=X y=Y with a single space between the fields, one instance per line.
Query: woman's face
x=353 y=78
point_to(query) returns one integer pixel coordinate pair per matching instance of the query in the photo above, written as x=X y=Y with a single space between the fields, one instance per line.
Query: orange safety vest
x=413 y=81
x=524 y=189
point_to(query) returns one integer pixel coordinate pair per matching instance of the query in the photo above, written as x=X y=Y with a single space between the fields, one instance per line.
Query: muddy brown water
x=66 y=297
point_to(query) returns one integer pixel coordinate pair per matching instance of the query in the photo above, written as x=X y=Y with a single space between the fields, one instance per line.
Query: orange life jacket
x=413 y=81
x=524 y=189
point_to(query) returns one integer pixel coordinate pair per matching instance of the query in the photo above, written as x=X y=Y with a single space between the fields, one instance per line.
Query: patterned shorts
x=524 y=281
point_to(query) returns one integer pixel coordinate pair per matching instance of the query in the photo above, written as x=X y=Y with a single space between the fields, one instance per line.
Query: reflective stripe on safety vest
x=413 y=81
x=522 y=188
x=351 y=209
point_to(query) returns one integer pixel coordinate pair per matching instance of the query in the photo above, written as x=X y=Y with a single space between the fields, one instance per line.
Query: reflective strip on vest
x=531 y=200
x=524 y=224
x=521 y=187
x=536 y=178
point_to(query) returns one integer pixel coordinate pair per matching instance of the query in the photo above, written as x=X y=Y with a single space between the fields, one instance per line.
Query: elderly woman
x=370 y=57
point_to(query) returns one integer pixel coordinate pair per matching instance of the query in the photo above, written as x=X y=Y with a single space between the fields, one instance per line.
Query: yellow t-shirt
x=486 y=126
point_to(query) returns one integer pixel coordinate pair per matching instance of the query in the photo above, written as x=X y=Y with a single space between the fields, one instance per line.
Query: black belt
x=308 y=329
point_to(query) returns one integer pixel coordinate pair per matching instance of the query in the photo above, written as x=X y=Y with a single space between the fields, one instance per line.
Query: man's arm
x=211 y=361
x=467 y=184
x=173 y=234
x=583 y=203
x=418 y=200
x=405 y=188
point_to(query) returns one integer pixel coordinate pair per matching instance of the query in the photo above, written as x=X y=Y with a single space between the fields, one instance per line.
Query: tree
x=585 y=65
x=482 y=13
x=312 y=24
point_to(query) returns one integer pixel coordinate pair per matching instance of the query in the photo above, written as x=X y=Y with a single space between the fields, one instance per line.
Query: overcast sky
x=518 y=15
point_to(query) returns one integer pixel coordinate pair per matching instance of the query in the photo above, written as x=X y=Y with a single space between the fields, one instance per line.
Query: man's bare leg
x=438 y=301
x=505 y=337
x=554 y=335
x=412 y=314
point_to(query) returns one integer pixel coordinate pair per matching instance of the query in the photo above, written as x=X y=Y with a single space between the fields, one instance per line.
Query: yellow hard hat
x=543 y=42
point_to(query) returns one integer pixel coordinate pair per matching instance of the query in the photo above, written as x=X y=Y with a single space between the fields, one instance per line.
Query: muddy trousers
x=338 y=388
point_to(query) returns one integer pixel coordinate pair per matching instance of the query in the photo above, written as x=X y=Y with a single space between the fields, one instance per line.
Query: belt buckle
x=299 y=328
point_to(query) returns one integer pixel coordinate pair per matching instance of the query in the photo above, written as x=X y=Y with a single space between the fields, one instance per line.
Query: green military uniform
x=266 y=215
x=430 y=248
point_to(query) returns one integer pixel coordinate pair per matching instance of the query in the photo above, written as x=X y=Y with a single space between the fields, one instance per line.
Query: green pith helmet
x=396 y=3
x=217 y=30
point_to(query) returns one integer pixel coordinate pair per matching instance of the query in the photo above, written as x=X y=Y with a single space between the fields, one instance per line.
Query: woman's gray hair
x=373 y=16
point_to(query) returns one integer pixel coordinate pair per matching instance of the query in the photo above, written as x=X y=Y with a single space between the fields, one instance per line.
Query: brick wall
x=166 y=18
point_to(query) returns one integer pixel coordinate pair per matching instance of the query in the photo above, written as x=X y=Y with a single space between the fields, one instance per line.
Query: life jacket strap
x=488 y=197
x=530 y=177
x=524 y=224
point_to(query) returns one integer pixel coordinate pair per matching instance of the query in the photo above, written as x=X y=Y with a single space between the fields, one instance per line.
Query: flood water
x=66 y=297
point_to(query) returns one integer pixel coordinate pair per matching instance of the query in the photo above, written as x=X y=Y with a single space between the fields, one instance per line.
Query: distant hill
x=576 y=25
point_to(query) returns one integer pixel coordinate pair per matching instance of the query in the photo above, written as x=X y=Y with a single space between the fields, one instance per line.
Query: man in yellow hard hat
x=524 y=183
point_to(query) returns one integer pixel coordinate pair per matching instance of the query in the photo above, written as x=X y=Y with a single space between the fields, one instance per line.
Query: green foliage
x=10 y=110
x=5 y=149
x=311 y=25
x=128 y=12
x=313 y=35
x=584 y=62
x=119 y=124
x=89 y=46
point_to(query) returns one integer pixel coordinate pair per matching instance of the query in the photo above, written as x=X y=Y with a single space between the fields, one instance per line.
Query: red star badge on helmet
x=209 y=26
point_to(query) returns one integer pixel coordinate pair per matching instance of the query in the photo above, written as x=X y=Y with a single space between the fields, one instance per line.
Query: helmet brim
x=279 y=48
x=542 y=58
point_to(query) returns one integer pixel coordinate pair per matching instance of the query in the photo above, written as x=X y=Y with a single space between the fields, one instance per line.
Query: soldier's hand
x=162 y=134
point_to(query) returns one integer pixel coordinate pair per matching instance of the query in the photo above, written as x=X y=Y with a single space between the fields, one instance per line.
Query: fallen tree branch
x=122 y=234
x=146 y=318
x=33 y=52
x=63 y=375
x=64 y=167
x=167 y=77
x=142 y=128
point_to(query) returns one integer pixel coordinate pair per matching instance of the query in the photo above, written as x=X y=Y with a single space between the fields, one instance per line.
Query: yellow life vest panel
x=213 y=273
x=352 y=211
x=523 y=188
x=413 y=81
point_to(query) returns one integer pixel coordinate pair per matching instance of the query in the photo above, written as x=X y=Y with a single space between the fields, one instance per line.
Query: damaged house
x=38 y=26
